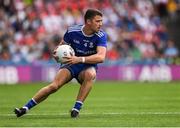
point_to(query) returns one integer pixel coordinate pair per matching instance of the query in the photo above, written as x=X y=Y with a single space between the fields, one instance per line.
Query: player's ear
x=88 y=21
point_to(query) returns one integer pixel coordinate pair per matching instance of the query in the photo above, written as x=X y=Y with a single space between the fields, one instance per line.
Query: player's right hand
x=54 y=55
x=72 y=60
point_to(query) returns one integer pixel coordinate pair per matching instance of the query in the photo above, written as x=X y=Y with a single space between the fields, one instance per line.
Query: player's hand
x=54 y=54
x=72 y=60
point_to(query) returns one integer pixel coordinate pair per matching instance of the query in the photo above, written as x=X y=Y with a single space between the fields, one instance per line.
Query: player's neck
x=87 y=30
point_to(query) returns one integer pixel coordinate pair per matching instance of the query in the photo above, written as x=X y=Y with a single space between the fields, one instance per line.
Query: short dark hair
x=91 y=13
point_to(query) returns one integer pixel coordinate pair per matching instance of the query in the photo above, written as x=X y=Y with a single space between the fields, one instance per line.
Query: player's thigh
x=87 y=74
x=62 y=77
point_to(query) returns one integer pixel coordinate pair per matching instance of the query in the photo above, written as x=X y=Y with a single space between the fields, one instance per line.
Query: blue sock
x=30 y=104
x=78 y=106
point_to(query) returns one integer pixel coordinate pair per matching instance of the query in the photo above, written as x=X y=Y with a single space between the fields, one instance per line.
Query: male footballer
x=89 y=43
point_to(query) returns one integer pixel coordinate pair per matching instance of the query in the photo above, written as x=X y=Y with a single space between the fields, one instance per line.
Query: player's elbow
x=101 y=59
x=101 y=54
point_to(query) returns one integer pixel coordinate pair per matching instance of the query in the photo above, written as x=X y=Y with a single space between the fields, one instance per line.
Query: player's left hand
x=72 y=60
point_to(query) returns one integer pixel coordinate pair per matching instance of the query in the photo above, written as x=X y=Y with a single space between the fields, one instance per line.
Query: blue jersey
x=84 y=45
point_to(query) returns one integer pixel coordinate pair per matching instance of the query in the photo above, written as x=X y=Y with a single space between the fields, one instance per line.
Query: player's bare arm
x=99 y=57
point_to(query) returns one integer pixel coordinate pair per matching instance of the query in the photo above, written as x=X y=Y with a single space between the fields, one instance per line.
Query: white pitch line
x=118 y=113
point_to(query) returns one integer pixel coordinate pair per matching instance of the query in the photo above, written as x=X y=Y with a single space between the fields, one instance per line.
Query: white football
x=64 y=51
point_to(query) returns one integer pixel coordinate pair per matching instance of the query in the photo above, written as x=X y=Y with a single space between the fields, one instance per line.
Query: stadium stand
x=138 y=30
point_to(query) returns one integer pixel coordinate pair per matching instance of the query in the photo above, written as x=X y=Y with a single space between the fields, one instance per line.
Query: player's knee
x=90 y=75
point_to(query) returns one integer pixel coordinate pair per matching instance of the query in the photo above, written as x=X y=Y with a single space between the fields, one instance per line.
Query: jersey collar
x=85 y=34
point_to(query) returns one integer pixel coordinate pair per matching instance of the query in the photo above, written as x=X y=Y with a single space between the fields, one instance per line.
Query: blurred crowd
x=137 y=34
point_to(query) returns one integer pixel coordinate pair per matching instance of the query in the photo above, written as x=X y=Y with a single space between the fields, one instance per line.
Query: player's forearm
x=93 y=59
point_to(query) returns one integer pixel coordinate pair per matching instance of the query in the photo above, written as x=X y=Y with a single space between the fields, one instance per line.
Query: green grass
x=110 y=104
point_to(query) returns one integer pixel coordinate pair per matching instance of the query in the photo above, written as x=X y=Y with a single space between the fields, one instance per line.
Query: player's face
x=96 y=23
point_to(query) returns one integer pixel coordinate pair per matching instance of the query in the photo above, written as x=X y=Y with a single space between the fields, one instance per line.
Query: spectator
x=171 y=50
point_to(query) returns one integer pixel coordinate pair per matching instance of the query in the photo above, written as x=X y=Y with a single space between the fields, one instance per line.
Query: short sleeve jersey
x=84 y=45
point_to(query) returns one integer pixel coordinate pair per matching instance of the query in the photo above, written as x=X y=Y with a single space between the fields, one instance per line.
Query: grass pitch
x=110 y=104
